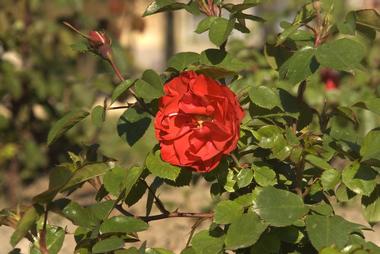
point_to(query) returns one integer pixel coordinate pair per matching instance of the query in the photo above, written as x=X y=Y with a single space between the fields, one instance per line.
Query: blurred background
x=42 y=77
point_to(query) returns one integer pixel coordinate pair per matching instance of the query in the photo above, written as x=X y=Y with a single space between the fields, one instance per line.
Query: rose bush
x=198 y=121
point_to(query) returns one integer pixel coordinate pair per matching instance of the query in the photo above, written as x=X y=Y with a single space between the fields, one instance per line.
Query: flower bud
x=100 y=43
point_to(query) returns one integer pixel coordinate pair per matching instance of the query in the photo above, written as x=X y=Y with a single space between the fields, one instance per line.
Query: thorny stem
x=158 y=201
x=193 y=228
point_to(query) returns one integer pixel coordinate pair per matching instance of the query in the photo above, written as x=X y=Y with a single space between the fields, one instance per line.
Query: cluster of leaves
x=274 y=195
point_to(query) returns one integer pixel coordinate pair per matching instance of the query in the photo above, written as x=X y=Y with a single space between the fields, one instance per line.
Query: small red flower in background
x=331 y=79
x=198 y=121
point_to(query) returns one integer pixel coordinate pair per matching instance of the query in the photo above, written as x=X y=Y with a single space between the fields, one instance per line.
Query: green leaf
x=370 y=149
x=329 y=179
x=101 y=210
x=205 y=24
x=369 y=18
x=371 y=206
x=150 y=86
x=132 y=125
x=86 y=173
x=299 y=66
x=114 y=179
x=159 y=168
x=77 y=214
x=325 y=231
x=330 y=250
x=54 y=240
x=64 y=124
x=204 y=243
x=264 y=176
x=222 y=60
x=123 y=224
x=220 y=29
x=27 y=221
x=121 y=89
x=244 y=177
x=359 y=178
x=107 y=245
x=279 y=207
x=343 y=54
x=288 y=31
x=244 y=231
x=318 y=162
x=227 y=211
x=372 y=104
x=98 y=116
x=182 y=60
x=268 y=136
x=264 y=97
x=163 y=5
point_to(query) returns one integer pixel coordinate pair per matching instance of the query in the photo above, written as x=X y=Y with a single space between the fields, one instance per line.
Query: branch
x=177 y=215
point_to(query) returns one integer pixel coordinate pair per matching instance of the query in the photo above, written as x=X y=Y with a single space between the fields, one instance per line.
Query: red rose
x=198 y=121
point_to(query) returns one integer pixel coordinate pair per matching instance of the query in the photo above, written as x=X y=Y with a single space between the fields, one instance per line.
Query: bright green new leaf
x=264 y=175
x=205 y=24
x=163 y=5
x=318 y=162
x=330 y=178
x=370 y=149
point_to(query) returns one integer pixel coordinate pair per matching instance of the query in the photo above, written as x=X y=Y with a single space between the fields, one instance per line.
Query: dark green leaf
x=325 y=231
x=244 y=231
x=182 y=60
x=372 y=104
x=64 y=124
x=86 y=173
x=299 y=66
x=98 y=116
x=107 y=245
x=150 y=86
x=279 y=207
x=123 y=224
x=121 y=89
x=118 y=179
x=343 y=54
x=264 y=97
x=223 y=60
x=132 y=125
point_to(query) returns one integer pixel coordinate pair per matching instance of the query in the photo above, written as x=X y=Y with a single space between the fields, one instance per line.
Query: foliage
x=300 y=145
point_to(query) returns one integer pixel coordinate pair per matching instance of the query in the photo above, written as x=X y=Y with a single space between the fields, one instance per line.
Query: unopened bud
x=100 y=43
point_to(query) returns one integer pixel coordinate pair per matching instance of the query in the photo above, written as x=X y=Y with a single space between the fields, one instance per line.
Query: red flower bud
x=100 y=43
x=330 y=78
